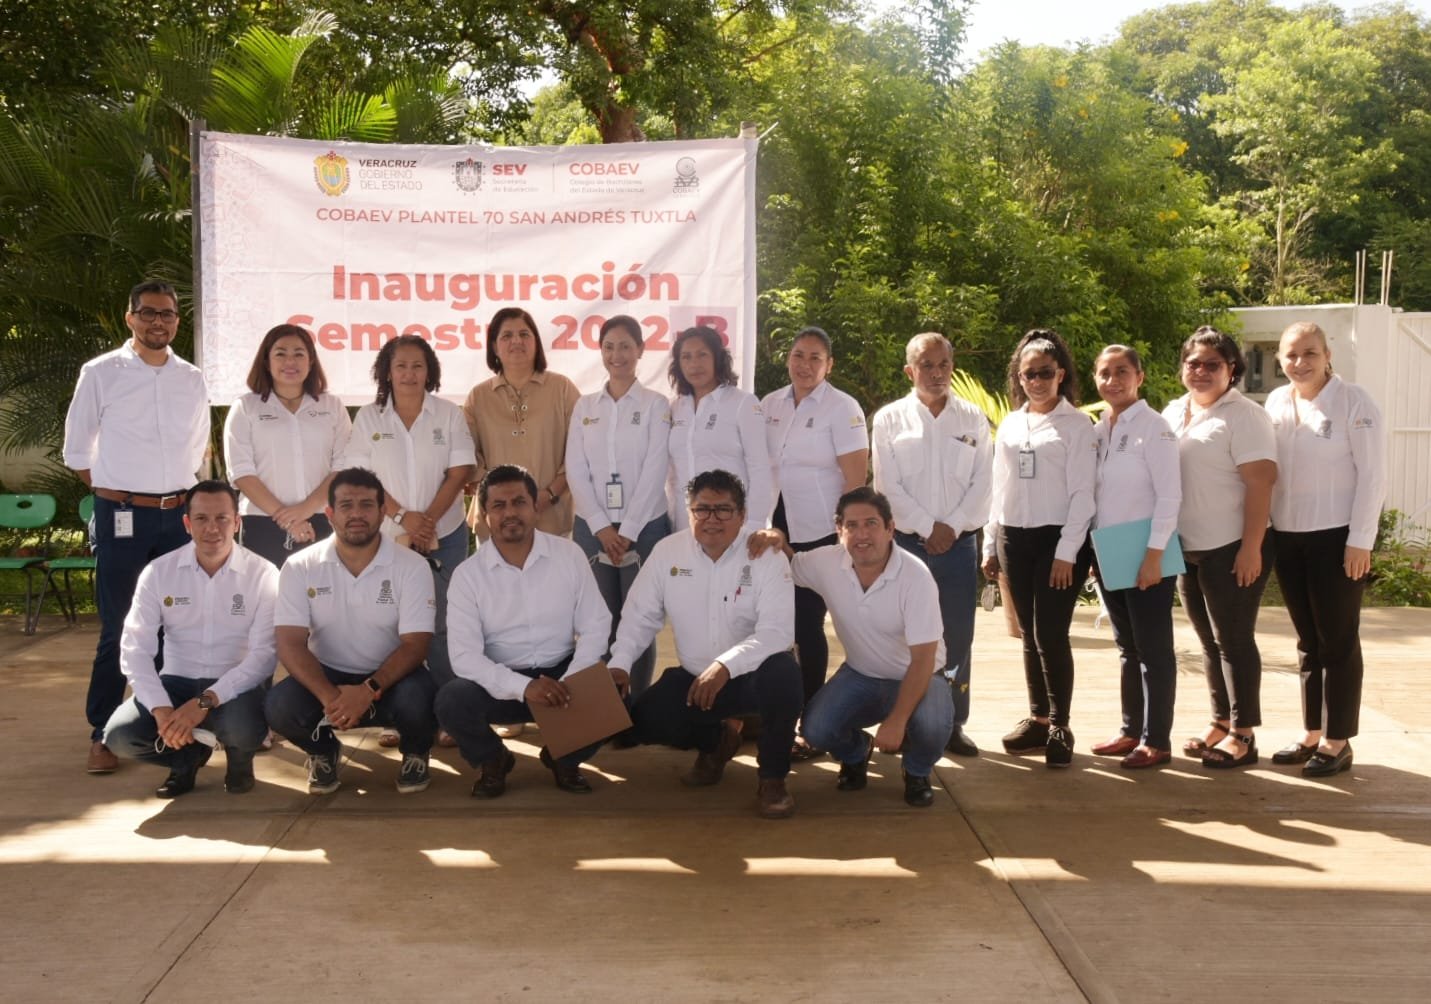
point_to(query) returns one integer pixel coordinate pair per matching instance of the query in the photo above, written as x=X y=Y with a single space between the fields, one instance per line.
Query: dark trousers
x=118 y=562
x=264 y=537
x=614 y=583
x=1325 y=607
x=1026 y=556
x=773 y=691
x=237 y=723
x=1143 y=630
x=294 y=713
x=954 y=573
x=467 y=713
x=812 y=648
x=1224 y=615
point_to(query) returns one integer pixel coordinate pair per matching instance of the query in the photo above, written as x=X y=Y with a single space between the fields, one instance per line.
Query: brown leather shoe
x=101 y=760
x=709 y=768
x=568 y=778
x=1117 y=746
x=493 y=781
x=775 y=801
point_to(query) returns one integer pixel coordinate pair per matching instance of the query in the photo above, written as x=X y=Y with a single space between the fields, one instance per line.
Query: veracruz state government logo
x=330 y=172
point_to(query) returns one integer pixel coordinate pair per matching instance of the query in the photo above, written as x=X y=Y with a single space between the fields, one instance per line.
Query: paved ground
x=1020 y=884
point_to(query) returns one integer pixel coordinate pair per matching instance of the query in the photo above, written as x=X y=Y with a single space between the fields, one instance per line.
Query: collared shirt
x=413 y=463
x=1331 y=461
x=1138 y=472
x=353 y=621
x=620 y=442
x=877 y=625
x=1211 y=446
x=501 y=617
x=933 y=470
x=806 y=442
x=137 y=427
x=217 y=627
x=527 y=428
x=726 y=431
x=735 y=611
x=1060 y=492
x=290 y=452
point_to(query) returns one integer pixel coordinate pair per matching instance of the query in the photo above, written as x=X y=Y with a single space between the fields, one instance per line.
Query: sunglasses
x=1203 y=365
x=1047 y=373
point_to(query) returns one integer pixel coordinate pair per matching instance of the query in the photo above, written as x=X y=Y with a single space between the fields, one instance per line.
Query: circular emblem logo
x=377 y=436
x=673 y=571
x=312 y=592
x=168 y=601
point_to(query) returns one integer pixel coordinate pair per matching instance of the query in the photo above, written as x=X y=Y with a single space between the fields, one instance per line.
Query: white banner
x=360 y=243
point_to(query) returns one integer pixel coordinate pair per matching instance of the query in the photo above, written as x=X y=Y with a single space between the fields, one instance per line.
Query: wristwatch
x=397 y=516
x=553 y=496
x=372 y=684
x=208 y=701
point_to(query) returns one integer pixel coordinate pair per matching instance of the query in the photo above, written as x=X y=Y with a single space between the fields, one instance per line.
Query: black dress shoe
x=961 y=745
x=918 y=792
x=238 y=779
x=1294 y=753
x=183 y=769
x=1327 y=764
x=853 y=776
x=567 y=778
x=493 y=780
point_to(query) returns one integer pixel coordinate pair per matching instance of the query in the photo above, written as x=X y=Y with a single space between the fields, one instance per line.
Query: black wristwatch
x=372 y=684
x=208 y=701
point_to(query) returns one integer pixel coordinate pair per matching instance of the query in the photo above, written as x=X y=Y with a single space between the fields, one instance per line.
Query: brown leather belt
x=143 y=499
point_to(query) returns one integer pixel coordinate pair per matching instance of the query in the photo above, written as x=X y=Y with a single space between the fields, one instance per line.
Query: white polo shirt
x=933 y=470
x=623 y=442
x=1331 y=461
x=1139 y=476
x=1211 y=446
x=878 y=625
x=500 y=616
x=137 y=427
x=726 y=431
x=290 y=452
x=354 y=622
x=736 y=611
x=217 y=627
x=1060 y=492
x=805 y=442
x=413 y=463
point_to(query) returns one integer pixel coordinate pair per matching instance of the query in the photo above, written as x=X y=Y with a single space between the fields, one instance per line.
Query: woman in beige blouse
x=520 y=416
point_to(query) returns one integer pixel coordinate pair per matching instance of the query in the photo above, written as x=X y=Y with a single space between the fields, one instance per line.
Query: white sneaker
x=509 y=731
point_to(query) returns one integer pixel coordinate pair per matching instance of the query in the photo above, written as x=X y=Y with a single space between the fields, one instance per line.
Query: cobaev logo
x=688 y=182
x=331 y=174
x=467 y=175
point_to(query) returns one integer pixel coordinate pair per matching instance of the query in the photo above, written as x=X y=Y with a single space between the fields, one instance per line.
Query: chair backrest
x=86 y=509
x=26 y=512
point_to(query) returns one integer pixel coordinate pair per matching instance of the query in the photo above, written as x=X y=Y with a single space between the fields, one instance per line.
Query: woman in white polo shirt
x=282 y=441
x=616 y=471
x=1331 y=462
x=819 y=449
x=1138 y=479
x=1038 y=531
x=714 y=426
x=1228 y=455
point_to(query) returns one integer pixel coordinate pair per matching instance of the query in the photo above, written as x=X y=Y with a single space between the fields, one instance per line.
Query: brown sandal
x=1198 y=748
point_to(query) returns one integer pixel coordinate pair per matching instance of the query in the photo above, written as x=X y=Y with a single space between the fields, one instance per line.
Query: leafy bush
x=1400 y=564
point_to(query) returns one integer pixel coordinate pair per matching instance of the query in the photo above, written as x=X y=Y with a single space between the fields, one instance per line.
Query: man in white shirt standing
x=521 y=612
x=933 y=459
x=733 y=617
x=885 y=608
x=136 y=432
x=354 y=618
x=213 y=603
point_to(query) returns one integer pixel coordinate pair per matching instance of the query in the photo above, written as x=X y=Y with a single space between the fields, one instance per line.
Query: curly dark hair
x=724 y=365
x=1049 y=342
x=383 y=366
x=717 y=481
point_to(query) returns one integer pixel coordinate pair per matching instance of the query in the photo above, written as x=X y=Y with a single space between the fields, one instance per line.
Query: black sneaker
x=238 y=776
x=1029 y=736
x=918 y=792
x=853 y=776
x=322 y=773
x=1059 y=752
x=413 y=777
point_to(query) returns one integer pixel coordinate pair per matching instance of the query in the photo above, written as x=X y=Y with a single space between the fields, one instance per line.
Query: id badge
x=123 y=523
x=1026 y=464
x=615 y=498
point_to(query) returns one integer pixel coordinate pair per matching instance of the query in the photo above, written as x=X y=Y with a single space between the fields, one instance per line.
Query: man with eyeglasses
x=136 y=432
x=933 y=460
x=733 y=617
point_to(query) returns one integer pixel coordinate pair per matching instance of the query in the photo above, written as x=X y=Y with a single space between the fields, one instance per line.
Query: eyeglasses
x=149 y=315
x=719 y=513
x=1203 y=365
x=1047 y=373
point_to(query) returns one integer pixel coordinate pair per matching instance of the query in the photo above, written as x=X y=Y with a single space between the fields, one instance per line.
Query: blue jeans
x=294 y=713
x=614 y=583
x=451 y=551
x=1143 y=630
x=238 y=723
x=118 y=562
x=850 y=701
x=467 y=713
x=955 y=575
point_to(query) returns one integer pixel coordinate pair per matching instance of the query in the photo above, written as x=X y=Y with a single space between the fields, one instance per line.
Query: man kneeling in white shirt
x=885 y=607
x=213 y=602
x=734 y=621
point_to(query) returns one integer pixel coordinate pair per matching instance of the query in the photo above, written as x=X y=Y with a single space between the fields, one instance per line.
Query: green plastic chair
x=27 y=512
x=65 y=567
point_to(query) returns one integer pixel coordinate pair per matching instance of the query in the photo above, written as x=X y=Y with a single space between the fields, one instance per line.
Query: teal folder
x=1121 y=547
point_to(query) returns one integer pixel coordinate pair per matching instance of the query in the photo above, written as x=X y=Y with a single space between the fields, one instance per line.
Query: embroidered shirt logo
x=385 y=593
x=237 y=609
